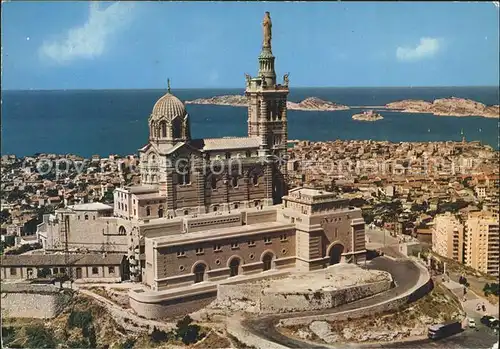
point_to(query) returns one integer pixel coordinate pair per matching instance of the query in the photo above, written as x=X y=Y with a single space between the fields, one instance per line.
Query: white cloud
x=427 y=47
x=90 y=39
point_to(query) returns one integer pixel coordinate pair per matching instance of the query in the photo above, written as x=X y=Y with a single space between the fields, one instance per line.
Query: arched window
x=86 y=217
x=126 y=208
x=234 y=181
x=255 y=179
x=176 y=128
x=148 y=211
x=160 y=211
x=199 y=273
x=248 y=154
x=187 y=178
x=121 y=230
x=213 y=182
x=163 y=127
x=234 y=267
x=184 y=176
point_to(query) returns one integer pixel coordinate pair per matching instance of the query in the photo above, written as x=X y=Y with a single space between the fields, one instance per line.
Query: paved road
x=406 y=275
x=379 y=238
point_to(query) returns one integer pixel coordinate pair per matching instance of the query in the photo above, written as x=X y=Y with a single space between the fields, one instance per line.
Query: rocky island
x=369 y=115
x=308 y=104
x=231 y=100
x=315 y=104
x=447 y=107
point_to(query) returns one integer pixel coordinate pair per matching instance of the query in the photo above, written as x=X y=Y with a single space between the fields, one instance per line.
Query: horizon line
x=233 y=88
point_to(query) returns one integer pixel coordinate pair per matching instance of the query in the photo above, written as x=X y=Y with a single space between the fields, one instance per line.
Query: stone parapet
x=22 y=300
x=423 y=286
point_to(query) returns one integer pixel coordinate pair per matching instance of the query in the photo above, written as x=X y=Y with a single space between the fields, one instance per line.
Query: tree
x=4 y=216
x=158 y=336
x=52 y=192
x=368 y=216
x=187 y=332
x=108 y=197
x=39 y=337
x=357 y=202
x=491 y=289
x=15 y=195
x=44 y=272
x=30 y=226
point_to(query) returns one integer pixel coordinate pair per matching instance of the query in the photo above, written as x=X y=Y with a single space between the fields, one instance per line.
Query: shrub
x=187 y=332
x=77 y=344
x=192 y=334
x=491 y=289
x=158 y=336
x=39 y=337
x=8 y=334
x=83 y=320
x=129 y=343
x=80 y=319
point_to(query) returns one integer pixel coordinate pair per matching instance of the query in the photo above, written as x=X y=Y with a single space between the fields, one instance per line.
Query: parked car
x=490 y=321
x=485 y=320
x=472 y=323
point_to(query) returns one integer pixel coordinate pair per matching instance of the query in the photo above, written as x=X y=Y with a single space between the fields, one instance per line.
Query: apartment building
x=482 y=242
x=448 y=237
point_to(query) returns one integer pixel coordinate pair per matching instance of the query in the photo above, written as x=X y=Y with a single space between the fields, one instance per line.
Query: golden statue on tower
x=266 y=27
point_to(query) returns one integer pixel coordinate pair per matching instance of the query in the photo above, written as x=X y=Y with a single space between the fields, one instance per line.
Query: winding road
x=405 y=275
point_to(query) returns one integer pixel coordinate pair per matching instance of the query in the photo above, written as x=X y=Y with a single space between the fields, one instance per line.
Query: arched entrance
x=336 y=253
x=267 y=260
x=199 y=273
x=278 y=189
x=234 y=267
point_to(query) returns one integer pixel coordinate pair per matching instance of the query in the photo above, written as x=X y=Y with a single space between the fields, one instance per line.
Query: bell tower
x=267 y=117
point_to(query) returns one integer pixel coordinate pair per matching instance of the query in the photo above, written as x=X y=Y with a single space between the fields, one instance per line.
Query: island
x=231 y=100
x=308 y=104
x=452 y=106
x=369 y=115
x=446 y=107
x=315 y=104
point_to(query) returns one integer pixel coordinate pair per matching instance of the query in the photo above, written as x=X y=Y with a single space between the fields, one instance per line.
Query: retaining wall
x=252 y=298
x=173 y=307
x=423 y=286
x=33 y=301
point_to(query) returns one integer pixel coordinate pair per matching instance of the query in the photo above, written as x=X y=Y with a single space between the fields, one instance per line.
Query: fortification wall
x=423 y=286
x=173 y=307
x=253 y=298
x=33 y=301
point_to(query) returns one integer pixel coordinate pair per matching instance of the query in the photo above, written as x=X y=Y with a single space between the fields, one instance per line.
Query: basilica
x=212 y=209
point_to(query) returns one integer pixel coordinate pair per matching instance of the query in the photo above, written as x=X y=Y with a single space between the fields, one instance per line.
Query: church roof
x=226 y=143
x=169 y=107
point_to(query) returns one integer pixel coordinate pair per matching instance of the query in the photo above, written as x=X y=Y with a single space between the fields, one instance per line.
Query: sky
x=135 y=45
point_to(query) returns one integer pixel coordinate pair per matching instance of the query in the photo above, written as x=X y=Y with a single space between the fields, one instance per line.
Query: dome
x=168 y=106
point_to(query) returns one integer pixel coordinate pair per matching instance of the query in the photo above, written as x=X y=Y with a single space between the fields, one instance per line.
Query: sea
x=87 y=122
